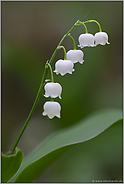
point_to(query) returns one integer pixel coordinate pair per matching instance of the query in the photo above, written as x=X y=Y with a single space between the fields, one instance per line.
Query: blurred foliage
x=97 y=159
x=30 y=34
x=46 y=153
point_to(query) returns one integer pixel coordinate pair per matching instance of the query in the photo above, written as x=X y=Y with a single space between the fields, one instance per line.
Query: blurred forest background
x=30 y=34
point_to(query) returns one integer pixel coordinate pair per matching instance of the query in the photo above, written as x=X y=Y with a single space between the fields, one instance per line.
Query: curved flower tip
x=75 y=56
x=63 y=67
x=86 y=40
x=101 y=38
x=52 y=109
x=53 y=90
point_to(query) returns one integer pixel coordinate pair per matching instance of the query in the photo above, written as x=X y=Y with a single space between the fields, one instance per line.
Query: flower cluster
x=66 y=65
x=88 y=40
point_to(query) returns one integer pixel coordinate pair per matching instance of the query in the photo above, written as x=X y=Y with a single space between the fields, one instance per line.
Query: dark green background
x=30 y=34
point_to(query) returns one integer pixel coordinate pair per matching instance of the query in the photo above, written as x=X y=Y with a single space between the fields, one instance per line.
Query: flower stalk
x=51 y=71
x=31 y=112
x=60 y=65
x=62 y=47
x=72 y=41
x=52 y=57
x=38 y=93
x=100 y=29
x=82 y=23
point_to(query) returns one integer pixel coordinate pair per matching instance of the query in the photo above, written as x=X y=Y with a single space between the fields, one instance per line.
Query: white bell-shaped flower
x=51 y=109
x=75 y=56
x=53 y=90
x=86 y=40
x=64 y=66
x=101 y=38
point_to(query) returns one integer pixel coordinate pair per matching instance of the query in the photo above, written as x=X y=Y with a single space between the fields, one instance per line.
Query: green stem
x=100 y=29
x=41 y=84
x=86 y=31
x=32 y=110
x=52 y=57
x=51 y=71
x=62 y=47
x=73 y=41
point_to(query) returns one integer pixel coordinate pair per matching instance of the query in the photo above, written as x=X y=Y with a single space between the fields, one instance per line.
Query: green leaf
x=10 y=165
x=88 y=128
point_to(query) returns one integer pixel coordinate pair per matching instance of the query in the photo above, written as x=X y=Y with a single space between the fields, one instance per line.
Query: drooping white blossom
x=53 y=90
x=51 y=109
x=86 y=40
x=101 y=38
x=75 y=56
x=63 y=67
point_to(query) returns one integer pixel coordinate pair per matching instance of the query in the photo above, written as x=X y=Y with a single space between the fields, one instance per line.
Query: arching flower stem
x=73 y=41
x=62 y=47
x=52 y=79
x=79 y=23
x=52 y=57
x=39 y=90
x=31 y=112
x=100 y=29
x=51 y=71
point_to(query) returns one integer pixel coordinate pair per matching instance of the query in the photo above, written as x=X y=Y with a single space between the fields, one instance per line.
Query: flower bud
x=51 y=109
x=75 y=56
x=101 y=38
x=86 y=40
x=53 y=90
x=63 y=67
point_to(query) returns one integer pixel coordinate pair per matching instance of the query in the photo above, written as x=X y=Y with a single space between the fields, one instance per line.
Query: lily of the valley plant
x=64 y=66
